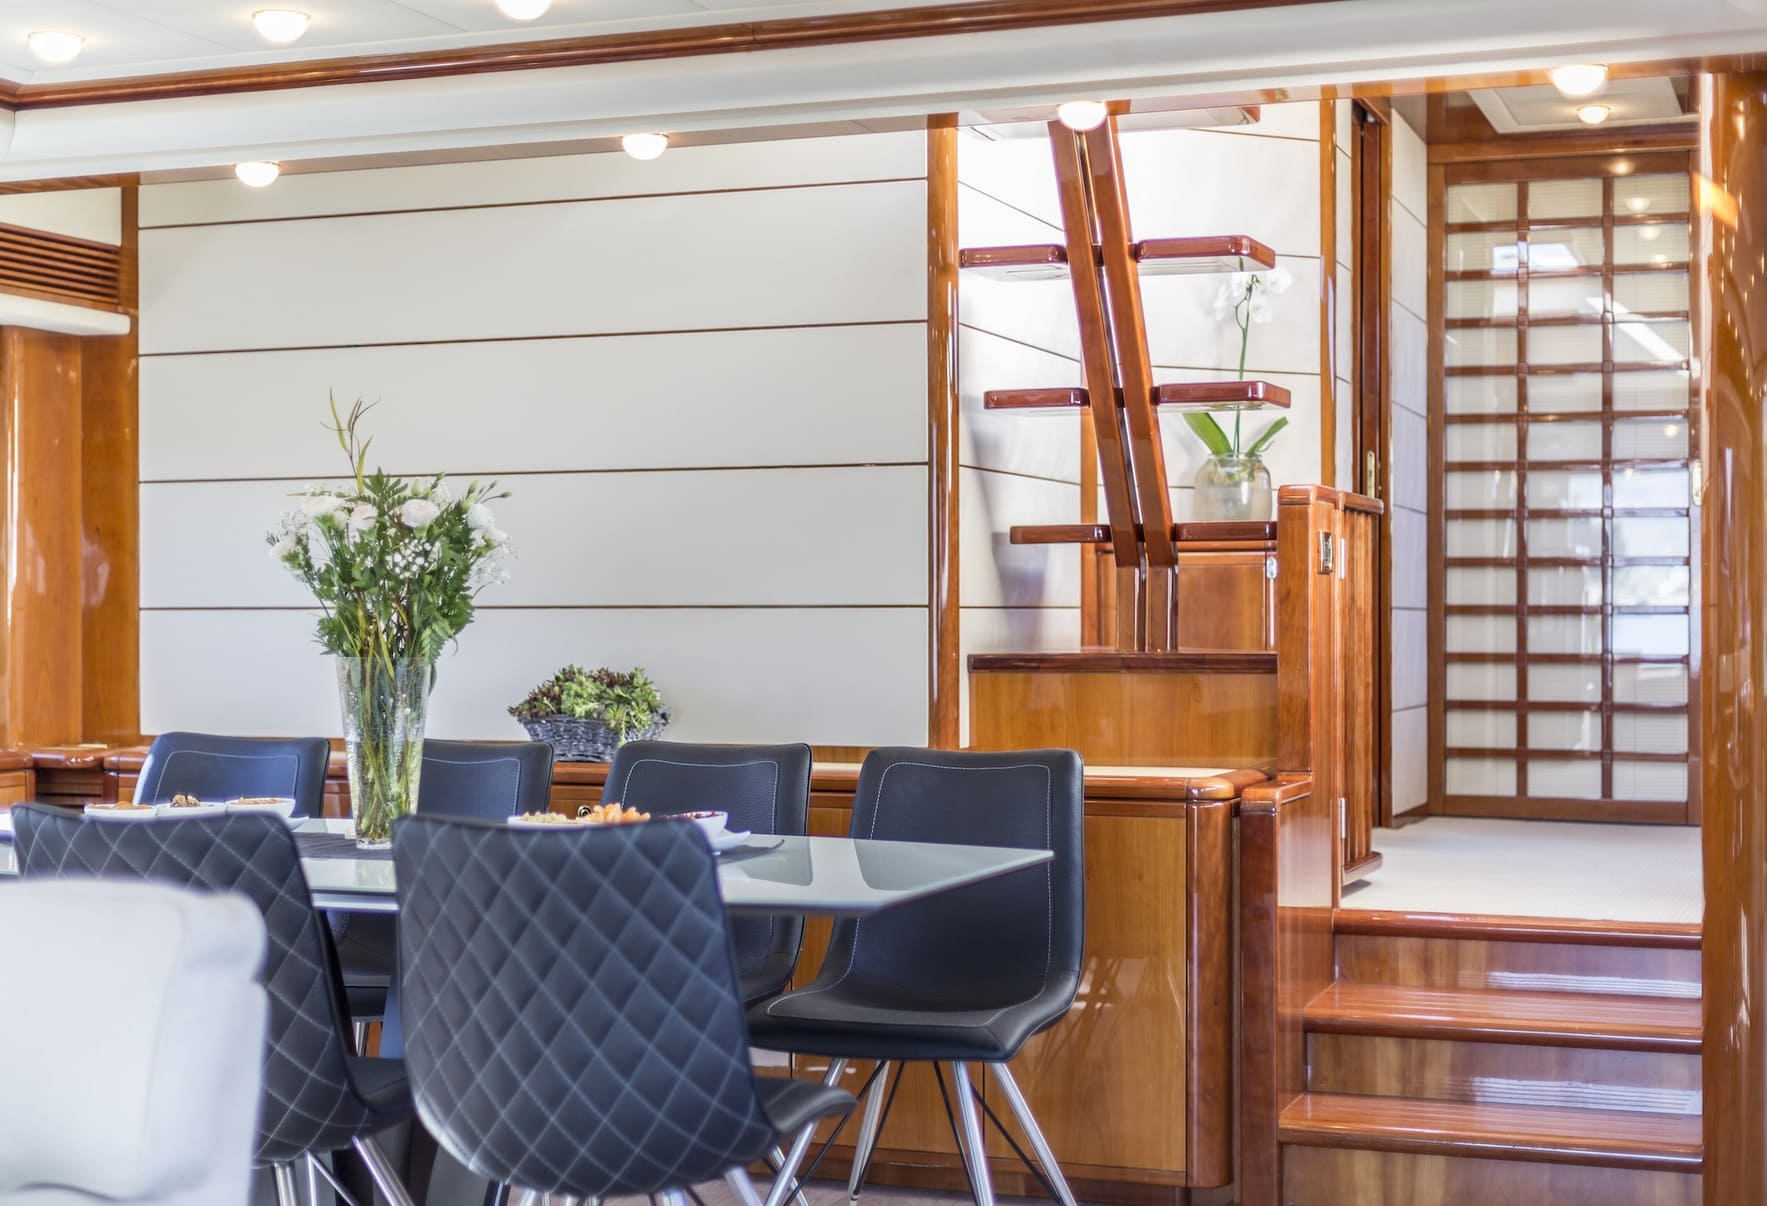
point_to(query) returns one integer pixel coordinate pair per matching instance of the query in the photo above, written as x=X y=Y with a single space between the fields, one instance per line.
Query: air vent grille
x=58 y=267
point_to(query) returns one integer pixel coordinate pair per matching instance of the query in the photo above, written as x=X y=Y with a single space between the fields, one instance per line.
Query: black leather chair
x=225 y=768
x=318 y=1097
x=764 y=788
x=964 y=977
x=491 y=781
x=571 y=1011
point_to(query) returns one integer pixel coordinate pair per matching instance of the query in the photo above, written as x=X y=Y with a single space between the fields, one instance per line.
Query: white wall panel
x=767 y=537
x=985 y=221
x=1295 y=119
x=998 y=573
x=1409 y=456
x=1182 y=329
x=1410 y=263
x=1410 y=535
x=1411 y=658
x=1037 y=313
x=95 y=214
x=828 y=676
x=1410 y=759
x=1411 y=173
x=1408 y=361
x=1038 y=443
x=748 y=165
x=612 y=402
x=743 y=259
x=1019 y=171
x=1202 y=182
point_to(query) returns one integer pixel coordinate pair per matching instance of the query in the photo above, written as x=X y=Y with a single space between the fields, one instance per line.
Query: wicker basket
x=587 y=739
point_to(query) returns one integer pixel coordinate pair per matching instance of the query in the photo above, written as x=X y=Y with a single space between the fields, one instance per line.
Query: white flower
x=285 y=544
x=418 y=512
x=318 y=506
x=1277 y=280
x=362 y=518
x=1260 y=311
x=1226 y=301
x=479 y=517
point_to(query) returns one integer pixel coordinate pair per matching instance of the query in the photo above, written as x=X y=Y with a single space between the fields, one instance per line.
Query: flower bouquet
x=1233 y=483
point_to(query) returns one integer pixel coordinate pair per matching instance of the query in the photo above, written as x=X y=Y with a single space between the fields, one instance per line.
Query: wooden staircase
x=1463 y=1061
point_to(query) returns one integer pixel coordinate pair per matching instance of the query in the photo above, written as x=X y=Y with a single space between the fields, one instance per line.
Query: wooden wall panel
x=40 y=608
x=943 y=413
x=110 y=625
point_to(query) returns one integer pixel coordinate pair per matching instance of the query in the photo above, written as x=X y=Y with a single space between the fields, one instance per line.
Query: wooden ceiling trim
x=791 y=33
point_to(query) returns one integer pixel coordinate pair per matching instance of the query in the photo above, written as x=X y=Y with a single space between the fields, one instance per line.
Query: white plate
x=569 y=823
x=208 y=808
x=729 y=839
x=282 y=807
x=105 y=813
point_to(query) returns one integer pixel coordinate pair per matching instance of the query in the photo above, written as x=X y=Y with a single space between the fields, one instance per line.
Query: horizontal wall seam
x=430 y=343
x=1030 y=477
x=289 y=609
x=444 y=209
x=970 y=326
x=508 y=473
x=1055 y=227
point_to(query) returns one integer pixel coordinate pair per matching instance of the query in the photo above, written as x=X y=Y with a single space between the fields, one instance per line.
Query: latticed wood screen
x=1567 y=570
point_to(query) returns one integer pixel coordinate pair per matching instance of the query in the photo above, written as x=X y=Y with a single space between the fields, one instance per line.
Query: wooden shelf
x=1061 y=533
x=1189 y=395
x=1155 y=257
x=1248 y=534
x=1222 y=395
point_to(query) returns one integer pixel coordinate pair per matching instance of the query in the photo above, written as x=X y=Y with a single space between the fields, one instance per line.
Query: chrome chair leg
x=868 y=1128
x=288 y=1189
x=742 y=1187
x=380 y=1171
x=1022 y=1111
x=310 y=1166
x=672 y=1197
x=316 y=1170
x=788 y=1168
x=359 y=1031
x=981 y=1185
x=776 y=1161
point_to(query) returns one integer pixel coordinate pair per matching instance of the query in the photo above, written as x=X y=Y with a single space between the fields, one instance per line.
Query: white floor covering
x=1536 y=869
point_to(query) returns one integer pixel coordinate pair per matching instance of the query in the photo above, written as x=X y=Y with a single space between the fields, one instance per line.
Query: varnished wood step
x=1155 y=257
x=1553 y=1018
x=1670 y=1142
x=1186 y=395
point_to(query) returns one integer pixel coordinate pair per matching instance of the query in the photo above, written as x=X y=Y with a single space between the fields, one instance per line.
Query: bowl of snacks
x=282 y=806
x=120 y=811
x=182 y=805
x=610 y=814
x=713 y=823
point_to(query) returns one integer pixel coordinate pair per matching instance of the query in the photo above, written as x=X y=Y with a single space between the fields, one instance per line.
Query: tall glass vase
x=1233 y=489
x=384 y=701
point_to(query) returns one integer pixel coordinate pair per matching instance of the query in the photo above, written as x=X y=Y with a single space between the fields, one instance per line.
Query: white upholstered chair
x=131 y=1044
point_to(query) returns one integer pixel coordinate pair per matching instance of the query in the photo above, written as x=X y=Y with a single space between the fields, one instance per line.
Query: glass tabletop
x=824 y=876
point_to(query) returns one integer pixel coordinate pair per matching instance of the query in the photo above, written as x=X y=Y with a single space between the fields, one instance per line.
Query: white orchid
x=1247 y=299
x=418 y=512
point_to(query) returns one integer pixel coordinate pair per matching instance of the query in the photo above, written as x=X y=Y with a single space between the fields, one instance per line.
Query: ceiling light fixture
x=645 y=146
x=53 y=46
x=259 y=173
x=280 y=25
x=1578 y=79
x=1592 y=115
x=1082 y=114
x=524 y=10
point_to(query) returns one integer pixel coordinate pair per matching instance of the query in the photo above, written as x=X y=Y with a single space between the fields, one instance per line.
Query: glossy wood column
x=1733 y=218
x=944 y=410
x=40 y=511
x=110 y=625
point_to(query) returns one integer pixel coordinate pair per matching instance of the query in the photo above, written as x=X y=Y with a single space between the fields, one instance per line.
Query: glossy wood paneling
x=40 y=612
x=1491 y=964
x=943 y=410
x=1732 y=191
x=1665 y=1142
x=1329 y=301
x=1288 y=879
x=1497 y=1073
x=1324 y=1177
x=1128 y=717
x=1361 y=656
x=1556 y=1019
x=1669 y=935
x=1209 y=1057
x=1109 y=1084
x=110 y=622
x=1226 y=601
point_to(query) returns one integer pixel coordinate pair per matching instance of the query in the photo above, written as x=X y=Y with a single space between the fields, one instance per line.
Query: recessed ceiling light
x=1082 y=114
x=53 y=46
x=645 y=146
x=1592 y=115
x=280 y=24
x=524 y=10
x=259 y=173
x=1579 y=79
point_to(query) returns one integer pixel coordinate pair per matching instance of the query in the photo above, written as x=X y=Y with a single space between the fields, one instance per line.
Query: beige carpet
x=1537 y=869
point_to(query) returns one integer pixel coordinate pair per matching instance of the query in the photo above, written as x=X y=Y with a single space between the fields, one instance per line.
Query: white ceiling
x=143 y=37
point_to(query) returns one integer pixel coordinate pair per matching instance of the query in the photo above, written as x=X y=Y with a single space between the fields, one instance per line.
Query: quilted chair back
x=1001 y=941
x=225 y=768
x=308 y=1102
x=764 y=788
x=492 y=781
x=570 y=1006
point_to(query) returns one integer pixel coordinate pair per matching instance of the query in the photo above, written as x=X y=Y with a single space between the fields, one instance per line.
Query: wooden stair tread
x=1495 y=1132
x=1499 y=1015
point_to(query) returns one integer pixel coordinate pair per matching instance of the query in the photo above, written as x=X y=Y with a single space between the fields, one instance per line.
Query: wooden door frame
x=1371 y=201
